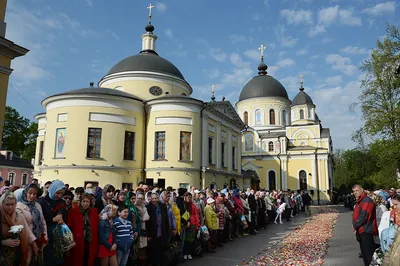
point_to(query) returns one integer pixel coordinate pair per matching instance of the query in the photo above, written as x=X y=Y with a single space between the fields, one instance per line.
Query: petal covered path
x=305 y=245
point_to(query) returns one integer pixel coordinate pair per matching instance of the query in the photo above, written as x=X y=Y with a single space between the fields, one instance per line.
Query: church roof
x=225 y=110
x=98 y=91
x=146 y=61
x=302 y=98
x=263 y=86
x=325 y=133
x=15 y=161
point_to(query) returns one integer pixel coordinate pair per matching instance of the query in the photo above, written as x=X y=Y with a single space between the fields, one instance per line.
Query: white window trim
x=27 y=177
x=14 y=175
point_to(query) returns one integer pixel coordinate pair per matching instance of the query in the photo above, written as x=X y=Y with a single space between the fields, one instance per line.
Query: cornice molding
x=6 y=70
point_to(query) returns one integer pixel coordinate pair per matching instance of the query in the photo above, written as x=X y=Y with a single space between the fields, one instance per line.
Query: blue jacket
x=105 y=230
x=123 y=234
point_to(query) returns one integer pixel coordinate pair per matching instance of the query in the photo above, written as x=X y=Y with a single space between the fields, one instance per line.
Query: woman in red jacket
x=191 y=227
x=84 y=224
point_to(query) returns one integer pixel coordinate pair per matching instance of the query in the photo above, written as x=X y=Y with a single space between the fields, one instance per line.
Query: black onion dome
x=146 y=61
x=302 y=98
x=263 y=86
x=149 y=28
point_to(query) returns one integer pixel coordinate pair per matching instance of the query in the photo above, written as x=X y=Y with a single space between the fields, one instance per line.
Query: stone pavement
x=243 y=248
x=343 y=248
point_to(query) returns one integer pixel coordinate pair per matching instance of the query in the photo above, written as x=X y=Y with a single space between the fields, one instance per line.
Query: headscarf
x=104 y=192
x=135 y=211
x=11 y=220
x=384 y=195
x=109 y=212
x=18 y=194
x=137 y=195
x=56 y=186
x=236 y=193
x=3 y=188
x=146 y=197
x=87 y=232
x=162 y=197
x=128 y=203
x=171 y=199
x=38 y=227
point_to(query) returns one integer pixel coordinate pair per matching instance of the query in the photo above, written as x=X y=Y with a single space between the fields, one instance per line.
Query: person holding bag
x=107 y=252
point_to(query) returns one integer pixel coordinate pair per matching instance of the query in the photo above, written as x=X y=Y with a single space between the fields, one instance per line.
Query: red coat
x=76 y=224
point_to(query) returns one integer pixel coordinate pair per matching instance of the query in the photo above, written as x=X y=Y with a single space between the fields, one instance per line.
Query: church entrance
x=271 y=180
x=303 y=180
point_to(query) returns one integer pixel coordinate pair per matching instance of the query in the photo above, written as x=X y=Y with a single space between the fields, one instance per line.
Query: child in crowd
x=279 y=212
x=123 y=232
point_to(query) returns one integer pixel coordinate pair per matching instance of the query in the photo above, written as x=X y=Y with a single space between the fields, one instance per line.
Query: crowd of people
x=376 y=220
x=141 y=226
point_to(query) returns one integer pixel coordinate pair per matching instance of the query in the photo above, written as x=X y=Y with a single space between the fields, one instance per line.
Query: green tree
x=380 y=98
x=19 y=134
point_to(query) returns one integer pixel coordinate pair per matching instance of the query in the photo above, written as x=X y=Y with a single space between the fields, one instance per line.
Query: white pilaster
x=204 y=136
x=284 y=175
x=327 y=174
x=218 y=143
x=229 y=146
x=239 y=152
x=314 y=174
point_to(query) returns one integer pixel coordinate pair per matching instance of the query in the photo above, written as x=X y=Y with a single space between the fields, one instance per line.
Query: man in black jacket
x=253 y=212
x=307 y=202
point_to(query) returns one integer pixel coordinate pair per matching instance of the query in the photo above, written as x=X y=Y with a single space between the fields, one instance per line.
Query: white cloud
x=218 y=54
x=335 y=80
x=212 y=73
x=354 y=50
x=315 y=30
x=161 y=7
x=78 y=27
x=295 y=17
x=253 y=54
x=343 y=64
x=301 y=52
x=89 y=3
x=237 y=38
x=286 y=41
x=257 y=16
x=168 y=33
x=291 y=83
x=347 y=18
x=287 y=62
x=328 y=16
x=380 y=9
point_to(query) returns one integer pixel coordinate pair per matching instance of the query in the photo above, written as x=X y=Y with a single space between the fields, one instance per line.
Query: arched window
x=258 y=117
x=303 y=180
x=270 y=146
x=272 y=117
x=301 y=114
x=271 y=180
x=248 y=142
x=246 y=118
x=284 y=117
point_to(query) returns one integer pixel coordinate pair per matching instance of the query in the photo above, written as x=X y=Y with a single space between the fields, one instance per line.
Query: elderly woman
x=158 y=229
x=120 y=198
x=84 y=224
x=32 y=211
x=175 y=211
x=165 y=198
x=106 y=198
x=53 y=207
x=144 y=217
x=211 y=219
x=15 y=251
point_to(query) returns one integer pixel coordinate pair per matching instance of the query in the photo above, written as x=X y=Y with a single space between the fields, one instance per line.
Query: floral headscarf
x=38 y=227
x=109 y=212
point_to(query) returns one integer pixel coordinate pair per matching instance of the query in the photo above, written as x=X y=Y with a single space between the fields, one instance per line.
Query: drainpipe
x=145 y=144
x=317 y=170
x=202 y=172
x=280 y=166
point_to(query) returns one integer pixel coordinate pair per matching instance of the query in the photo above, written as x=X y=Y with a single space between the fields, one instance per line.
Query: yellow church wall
x=4 y=62
x=140 y=88
x=78 y=177
x=172 y=142
x=77 y=125
x=294 y=167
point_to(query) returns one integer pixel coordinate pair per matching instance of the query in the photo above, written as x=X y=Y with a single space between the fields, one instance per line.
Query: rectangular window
x=159 y=151
x=211 y=150
x=186 y=146
x=41 y=147
x=94 y=143
x=234 y=157
x=129 y=145
x=223 y=154
x=11 y=178
x=24 y=179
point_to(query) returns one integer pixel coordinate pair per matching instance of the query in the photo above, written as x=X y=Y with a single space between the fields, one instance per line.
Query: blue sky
x=212 y=42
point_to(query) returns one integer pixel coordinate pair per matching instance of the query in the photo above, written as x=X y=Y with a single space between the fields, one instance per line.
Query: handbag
x=186 y=216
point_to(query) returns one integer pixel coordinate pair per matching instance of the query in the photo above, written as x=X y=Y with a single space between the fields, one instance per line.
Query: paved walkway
x=243 y=248
x=343 y=248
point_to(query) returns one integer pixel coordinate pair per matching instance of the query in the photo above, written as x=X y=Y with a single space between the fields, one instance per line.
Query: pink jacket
x=24 y=210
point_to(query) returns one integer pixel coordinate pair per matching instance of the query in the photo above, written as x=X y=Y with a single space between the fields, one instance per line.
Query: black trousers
x=368 y=246
x=287 y=213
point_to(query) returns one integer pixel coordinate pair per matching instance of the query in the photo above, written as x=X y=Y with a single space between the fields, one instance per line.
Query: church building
x=141 y=124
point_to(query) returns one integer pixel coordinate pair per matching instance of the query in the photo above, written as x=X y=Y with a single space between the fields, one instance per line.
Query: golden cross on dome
x=261 y=49
x=150 y=7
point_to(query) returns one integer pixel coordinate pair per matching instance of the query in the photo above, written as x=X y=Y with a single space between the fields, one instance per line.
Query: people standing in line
x=32 y=211
x=106 y=198
x=53 y=207
x=134 y=218
x=364 y=223
x=211 y=220
x=191 y=227
x=15 y=251
x=251 y=199
x=83 y=221
x=144 y=217
x=288 y=210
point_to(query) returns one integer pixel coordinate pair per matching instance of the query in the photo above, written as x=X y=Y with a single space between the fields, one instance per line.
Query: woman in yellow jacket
x=211 y=218
x=176 y=212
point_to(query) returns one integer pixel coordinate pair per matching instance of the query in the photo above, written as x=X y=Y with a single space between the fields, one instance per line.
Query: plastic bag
x=204 y=232
x=63 y=240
